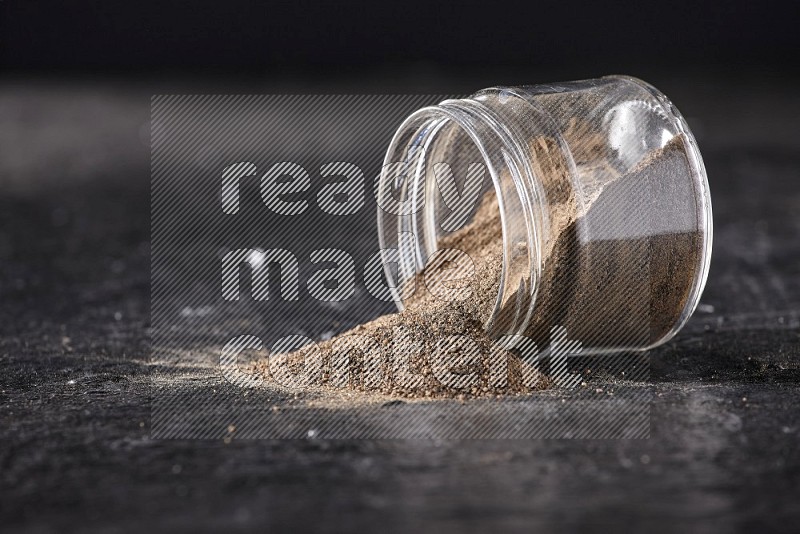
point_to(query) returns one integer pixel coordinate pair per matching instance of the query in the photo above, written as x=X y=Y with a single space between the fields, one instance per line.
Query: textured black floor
x=75 y=451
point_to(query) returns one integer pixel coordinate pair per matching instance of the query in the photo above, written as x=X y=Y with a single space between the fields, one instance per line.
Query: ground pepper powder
x=644 y=276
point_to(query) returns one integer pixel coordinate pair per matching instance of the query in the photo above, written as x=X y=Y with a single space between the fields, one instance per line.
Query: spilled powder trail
x=414 y=353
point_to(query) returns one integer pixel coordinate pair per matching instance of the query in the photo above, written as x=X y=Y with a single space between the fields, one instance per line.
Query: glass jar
x=585 y=204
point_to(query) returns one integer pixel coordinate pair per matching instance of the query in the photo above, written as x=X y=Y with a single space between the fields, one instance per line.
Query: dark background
x=75 y=451
x=342 y=39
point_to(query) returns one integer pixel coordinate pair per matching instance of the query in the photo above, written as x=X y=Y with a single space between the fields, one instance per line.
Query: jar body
x=590 y=198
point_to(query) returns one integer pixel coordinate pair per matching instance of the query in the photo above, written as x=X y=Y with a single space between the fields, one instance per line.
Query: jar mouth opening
x=445 y=134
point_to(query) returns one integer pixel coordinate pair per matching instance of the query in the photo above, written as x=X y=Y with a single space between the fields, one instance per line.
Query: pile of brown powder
x=427 y=321
x=624 y=287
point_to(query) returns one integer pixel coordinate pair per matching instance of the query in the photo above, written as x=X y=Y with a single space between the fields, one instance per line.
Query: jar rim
x=476 y=123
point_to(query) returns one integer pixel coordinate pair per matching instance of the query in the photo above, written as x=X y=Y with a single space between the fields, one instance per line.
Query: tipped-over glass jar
x=585 y=205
